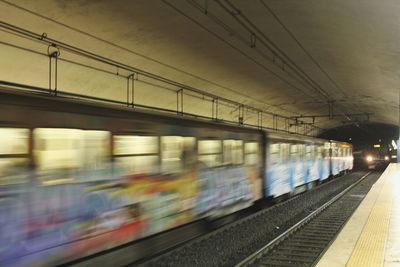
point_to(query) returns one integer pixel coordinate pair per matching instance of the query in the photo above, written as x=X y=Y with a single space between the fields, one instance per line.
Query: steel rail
x=259 y=253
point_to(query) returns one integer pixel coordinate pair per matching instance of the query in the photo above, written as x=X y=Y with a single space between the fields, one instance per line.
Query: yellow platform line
x=370 y=247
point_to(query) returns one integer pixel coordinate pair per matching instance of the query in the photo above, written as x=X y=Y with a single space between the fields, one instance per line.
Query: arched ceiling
x=286 y=57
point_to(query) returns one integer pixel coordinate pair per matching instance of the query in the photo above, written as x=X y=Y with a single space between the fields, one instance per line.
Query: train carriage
x=88 y=177
x=341 y=157
x=79 y=177
x=294 y=161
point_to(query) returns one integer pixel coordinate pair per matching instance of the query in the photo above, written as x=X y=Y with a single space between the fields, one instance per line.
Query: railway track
x=306 y=241
x=229 y=245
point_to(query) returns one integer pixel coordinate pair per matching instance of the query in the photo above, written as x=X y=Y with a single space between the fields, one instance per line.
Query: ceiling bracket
x=53 y=52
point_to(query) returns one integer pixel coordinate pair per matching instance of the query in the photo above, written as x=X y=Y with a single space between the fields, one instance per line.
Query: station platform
x=372 y=235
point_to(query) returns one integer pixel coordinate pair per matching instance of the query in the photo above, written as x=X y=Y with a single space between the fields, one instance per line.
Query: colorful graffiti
x=49 y=224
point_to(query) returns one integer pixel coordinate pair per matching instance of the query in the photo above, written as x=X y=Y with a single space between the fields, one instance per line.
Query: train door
x=313 y=173
x=323 y=172
x=278 y=173
x=209 y=155
x=342 y=158
x=237 y=187
x=297 y=157
x=178 y=160
x=351 y=158
x=137 y=155
x=252 y=160
x=335 y=159
x=235 y=183
x=14 y=186
x=327 y=162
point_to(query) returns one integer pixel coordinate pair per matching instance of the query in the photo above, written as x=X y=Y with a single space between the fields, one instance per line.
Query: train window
x=210 y=152
x=301 y=151
x=58 y=153
x=326 y=152
x=189 y=151
x=96 y=155
x=315 y=151
x=96 y=149
x=251 y=147
x=335 y=152
x=285 y=152
x=177 y=153
x=57 y=148
x=238 y=152
x=209 y=146
x=14 y=141
x=294 y=151
x=274 y=153
x=136 y=154
x=274 y=148
x=228 y=151
x=171 y=151
x=64 y=155
x=233 y=152
x=135 y=144
x=251 y=153
x=319 y=152
x=14 y=155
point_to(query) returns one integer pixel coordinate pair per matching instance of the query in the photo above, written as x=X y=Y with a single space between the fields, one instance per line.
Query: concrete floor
x=372 y=235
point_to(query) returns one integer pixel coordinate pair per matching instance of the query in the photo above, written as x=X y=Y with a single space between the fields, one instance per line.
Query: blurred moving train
x=373 y=156
x=78 y=177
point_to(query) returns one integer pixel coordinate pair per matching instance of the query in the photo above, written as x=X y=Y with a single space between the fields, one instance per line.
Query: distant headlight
x=386 y=157
x=369 y=158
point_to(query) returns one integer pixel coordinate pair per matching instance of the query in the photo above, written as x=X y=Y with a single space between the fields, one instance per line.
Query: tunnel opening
x=374 y=144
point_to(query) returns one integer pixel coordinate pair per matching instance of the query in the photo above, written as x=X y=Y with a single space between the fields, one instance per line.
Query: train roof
x=78 y=103
x=64 y=100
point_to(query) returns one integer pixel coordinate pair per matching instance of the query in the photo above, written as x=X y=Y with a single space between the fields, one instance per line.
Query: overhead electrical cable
x=140 y=55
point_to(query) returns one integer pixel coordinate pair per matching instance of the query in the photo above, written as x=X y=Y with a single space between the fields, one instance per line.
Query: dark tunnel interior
x=375 y=140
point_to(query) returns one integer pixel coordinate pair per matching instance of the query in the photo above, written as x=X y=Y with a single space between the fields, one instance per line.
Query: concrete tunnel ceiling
x=285 y=57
